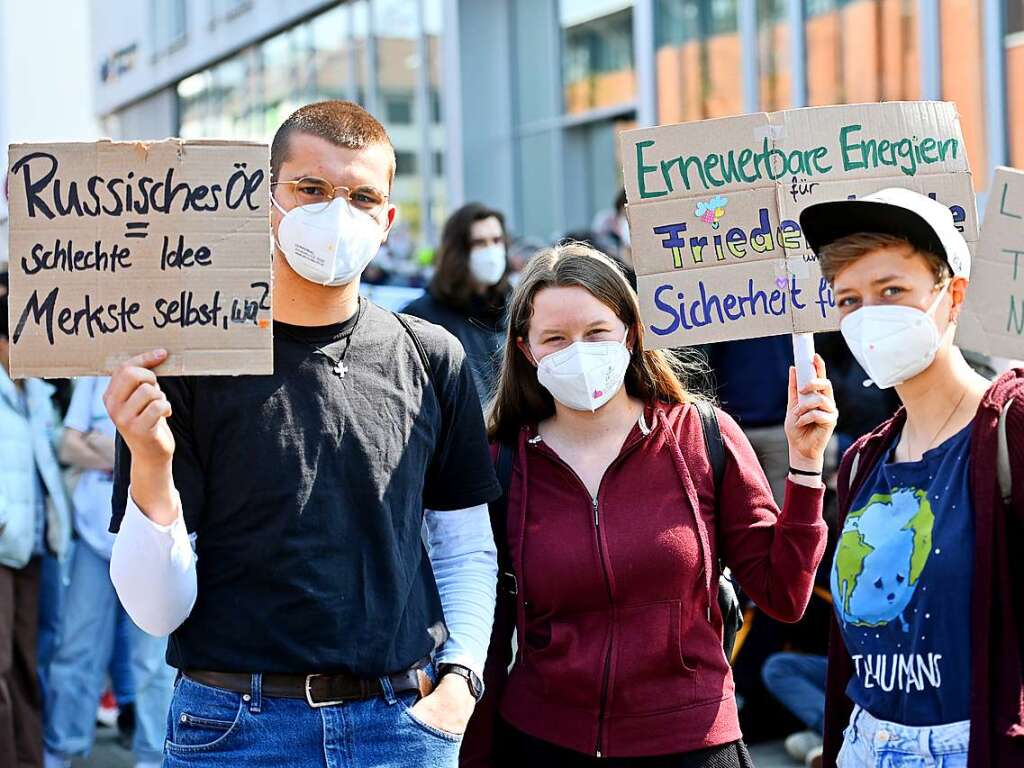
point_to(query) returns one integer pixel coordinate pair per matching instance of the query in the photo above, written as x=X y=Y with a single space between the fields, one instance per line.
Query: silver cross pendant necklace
x=339 y=369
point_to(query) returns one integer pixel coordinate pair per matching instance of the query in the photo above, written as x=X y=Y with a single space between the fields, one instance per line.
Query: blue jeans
x=872 y=743
x=214 y=727
x=122 y=679
x=798 y=681
x=79 y=667
x=51 y=599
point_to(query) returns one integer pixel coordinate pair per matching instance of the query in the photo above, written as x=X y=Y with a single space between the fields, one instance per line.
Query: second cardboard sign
x=714 y=209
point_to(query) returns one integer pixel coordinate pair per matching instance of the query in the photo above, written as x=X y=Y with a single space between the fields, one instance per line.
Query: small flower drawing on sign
x=712 y=210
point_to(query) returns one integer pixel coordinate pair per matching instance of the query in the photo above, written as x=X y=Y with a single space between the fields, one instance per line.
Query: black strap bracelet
x=804 y=472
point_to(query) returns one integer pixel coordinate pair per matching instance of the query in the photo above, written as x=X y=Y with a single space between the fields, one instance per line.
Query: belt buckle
x=309 y=695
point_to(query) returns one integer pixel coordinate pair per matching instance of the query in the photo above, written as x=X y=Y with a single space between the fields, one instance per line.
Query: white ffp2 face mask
x=329 y=246
x=487 y=264
x=893 y=343
x=586 y=374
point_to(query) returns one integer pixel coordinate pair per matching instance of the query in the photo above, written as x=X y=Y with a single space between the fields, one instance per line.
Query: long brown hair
x=452 y=283
x=520 y=399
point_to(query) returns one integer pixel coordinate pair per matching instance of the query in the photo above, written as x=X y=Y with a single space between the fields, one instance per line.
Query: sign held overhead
x=714 y=209
x=121 y=247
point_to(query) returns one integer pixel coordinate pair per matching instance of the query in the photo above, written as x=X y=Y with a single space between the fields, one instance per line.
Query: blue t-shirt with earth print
x=901 y=587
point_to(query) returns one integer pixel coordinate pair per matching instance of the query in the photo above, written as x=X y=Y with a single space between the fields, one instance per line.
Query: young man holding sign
x=309 y=629
x=926 y=663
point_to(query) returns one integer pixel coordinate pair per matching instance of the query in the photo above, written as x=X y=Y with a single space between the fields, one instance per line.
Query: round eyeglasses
x=316 y=194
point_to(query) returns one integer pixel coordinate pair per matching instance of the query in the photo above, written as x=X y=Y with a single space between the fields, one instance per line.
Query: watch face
x=476 y=686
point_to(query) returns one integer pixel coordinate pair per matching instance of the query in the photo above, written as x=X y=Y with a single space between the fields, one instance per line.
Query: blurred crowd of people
x=71 y=656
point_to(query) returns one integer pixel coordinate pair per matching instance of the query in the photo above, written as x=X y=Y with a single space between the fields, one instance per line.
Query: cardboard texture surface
x=120 y=247
x=714 y=209
x=992 y=321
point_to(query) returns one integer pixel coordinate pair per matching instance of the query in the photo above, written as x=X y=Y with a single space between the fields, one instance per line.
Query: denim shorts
x=872 y=743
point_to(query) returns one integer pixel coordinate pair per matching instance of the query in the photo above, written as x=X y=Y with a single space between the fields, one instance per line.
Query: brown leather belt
x=317 y=690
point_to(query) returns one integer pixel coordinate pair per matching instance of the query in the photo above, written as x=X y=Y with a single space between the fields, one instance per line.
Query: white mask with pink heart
x=586 y=374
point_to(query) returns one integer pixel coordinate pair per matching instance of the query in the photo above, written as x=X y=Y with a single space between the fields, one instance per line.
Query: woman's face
x=563 y=316
x=895 y=274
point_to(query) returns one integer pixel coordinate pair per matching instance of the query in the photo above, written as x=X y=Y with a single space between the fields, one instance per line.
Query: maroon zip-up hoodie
x=620 y=635
x=997 y=596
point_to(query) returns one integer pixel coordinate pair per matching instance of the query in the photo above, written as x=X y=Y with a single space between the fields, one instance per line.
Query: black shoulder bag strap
x=446 y=425
x=728 y=602
x=420 y=351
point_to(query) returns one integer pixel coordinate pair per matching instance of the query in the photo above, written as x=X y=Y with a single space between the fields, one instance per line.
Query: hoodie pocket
x=569 y=667
x=651 y=674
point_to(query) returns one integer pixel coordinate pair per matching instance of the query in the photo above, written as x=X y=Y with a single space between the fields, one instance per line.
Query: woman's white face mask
x=586 y=374
x=893 y=343
x=328 y=246
x=487 y=264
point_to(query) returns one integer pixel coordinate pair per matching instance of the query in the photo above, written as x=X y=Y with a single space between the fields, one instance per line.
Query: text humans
x=924 y=582
x=304 y=630
x=614 y=537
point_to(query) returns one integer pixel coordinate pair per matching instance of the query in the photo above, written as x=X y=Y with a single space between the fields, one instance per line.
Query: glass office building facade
x=518 y=103
x=383 y=54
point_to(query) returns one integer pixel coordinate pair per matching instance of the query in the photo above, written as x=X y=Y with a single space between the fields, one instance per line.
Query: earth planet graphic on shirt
x=880 y=556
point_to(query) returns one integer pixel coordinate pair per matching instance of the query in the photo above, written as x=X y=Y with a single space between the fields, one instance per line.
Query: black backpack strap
x=446 y=425
x=728 y=600
x=503 y=462
x=420 y=350
x=713 y=443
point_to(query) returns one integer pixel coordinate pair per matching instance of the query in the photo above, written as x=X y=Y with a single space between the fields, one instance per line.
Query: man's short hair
x=343 y=123
x=841 y=253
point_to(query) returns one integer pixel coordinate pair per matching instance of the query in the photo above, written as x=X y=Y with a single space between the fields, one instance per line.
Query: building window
x=773 y=47
x=1014 y=16
x=961 y=48
x=332 y=55
x=597 y=54
x=435 y=106
x=248 y=95
x=699 y=60
x=405 y=163
x=861 y=51
x=167 y=25
x=724 y=17
x=398 y=109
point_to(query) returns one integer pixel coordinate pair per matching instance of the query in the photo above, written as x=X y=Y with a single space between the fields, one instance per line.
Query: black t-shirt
x=306 y=494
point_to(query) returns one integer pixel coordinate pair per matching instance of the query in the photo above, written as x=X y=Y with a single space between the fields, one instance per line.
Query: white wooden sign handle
x=803 y=357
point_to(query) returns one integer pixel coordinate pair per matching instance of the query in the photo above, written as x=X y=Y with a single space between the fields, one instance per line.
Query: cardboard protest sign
x=992 y=321
x=714 y=209
x=120 y=247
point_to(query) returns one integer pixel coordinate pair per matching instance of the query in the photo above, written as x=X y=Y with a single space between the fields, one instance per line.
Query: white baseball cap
x=927 y=224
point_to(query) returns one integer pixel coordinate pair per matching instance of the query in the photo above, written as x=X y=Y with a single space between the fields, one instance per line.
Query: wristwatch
x=476 y=685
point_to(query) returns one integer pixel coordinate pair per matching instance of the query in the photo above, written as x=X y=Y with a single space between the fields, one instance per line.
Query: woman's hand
x=809 y=425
